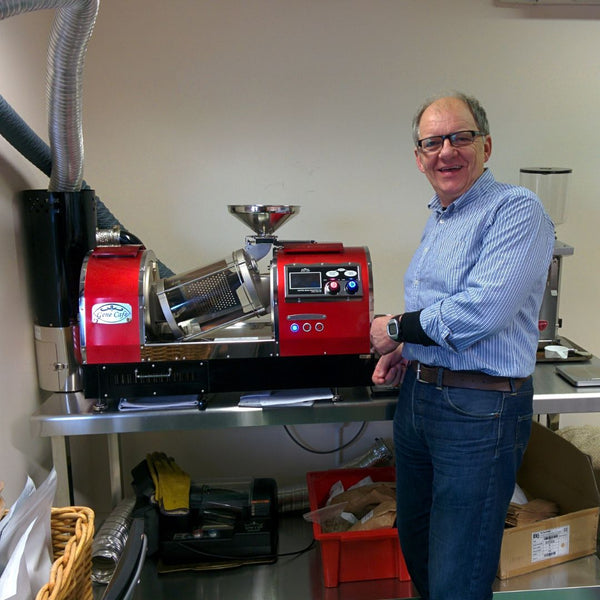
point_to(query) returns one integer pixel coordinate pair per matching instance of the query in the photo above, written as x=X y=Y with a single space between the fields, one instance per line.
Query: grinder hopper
x=263 y=219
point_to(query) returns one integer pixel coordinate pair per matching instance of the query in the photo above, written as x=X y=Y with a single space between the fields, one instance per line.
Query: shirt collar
x=483 y=183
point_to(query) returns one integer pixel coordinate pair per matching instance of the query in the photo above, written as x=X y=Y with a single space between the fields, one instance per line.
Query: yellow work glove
x=171 y=484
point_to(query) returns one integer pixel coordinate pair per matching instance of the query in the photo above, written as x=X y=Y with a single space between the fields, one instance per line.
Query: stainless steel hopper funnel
x=263 y=219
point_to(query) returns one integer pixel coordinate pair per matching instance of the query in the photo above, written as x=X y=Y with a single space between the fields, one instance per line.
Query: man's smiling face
x=451 y=171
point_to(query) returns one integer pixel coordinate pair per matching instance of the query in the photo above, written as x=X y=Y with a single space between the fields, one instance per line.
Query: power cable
x=332 y=451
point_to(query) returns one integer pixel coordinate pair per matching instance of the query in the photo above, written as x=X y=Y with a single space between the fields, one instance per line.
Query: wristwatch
x=394 y=329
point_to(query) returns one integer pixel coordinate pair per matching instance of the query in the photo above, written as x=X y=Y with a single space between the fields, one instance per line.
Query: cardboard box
x=553 y=469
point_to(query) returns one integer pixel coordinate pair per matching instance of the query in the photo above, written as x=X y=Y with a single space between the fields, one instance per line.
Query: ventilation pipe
x=59 y=224
x=71 y=31
x=63 y=163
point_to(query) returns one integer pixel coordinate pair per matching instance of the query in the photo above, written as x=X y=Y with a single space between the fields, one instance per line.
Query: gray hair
x=473 y=104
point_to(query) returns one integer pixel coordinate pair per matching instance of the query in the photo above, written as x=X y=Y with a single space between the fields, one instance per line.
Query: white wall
x=193 y=105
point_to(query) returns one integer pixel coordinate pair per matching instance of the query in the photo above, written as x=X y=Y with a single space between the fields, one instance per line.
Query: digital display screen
x=305 y=280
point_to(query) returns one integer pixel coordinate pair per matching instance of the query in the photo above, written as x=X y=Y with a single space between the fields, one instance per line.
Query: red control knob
x=333 y=287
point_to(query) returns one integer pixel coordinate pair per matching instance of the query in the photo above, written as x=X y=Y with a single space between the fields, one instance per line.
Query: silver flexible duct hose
x=69 y=38
x=63 y=162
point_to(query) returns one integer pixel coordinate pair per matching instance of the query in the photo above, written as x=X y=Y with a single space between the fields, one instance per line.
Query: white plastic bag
x=27 y=528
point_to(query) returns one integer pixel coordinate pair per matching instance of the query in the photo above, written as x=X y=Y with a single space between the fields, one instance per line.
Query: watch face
x=393 y=329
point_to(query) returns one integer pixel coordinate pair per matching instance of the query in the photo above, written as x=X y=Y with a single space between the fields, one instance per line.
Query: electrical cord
x=298 y=552
x=270 y=557
x=342 y=447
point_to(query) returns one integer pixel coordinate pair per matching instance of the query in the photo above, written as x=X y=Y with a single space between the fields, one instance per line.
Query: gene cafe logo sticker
x=111 y=313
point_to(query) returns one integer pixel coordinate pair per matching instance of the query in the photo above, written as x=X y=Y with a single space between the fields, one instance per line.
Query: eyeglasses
x=458 y=139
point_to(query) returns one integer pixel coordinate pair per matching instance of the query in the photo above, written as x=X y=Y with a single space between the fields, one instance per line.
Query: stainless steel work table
x=65 y=415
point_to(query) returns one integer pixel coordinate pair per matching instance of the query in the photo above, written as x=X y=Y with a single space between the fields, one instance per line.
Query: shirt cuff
x=412 y=331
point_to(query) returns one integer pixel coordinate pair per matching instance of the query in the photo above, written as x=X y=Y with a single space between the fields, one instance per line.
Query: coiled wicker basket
x=72 y=530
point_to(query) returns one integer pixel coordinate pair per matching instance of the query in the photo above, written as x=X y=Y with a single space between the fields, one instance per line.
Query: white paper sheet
x=158 y=403
x=270 y=398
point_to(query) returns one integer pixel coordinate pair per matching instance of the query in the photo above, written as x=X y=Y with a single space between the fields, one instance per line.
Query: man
x=465 y=347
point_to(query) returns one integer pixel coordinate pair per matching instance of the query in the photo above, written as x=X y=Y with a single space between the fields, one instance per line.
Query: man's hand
x=390 y=368
x=381 y=342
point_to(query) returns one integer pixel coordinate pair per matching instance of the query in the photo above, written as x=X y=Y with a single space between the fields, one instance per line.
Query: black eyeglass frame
x=451 y=137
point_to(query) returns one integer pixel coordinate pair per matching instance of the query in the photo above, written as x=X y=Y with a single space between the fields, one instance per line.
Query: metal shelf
x=72 y=414
x=65 y=415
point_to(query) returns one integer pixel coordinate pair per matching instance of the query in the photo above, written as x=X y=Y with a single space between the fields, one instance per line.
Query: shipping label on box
x=550 y=543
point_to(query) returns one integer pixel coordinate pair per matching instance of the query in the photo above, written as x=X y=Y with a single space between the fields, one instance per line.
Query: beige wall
x=193 y=105
x=22 y=83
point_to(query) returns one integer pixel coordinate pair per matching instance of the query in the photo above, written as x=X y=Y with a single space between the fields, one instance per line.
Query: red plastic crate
x=355 y=555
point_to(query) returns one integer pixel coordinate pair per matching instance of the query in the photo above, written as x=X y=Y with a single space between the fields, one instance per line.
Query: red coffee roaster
x=301 y=321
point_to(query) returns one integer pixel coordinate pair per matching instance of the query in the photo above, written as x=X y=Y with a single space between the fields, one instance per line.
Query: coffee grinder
x=550 y=185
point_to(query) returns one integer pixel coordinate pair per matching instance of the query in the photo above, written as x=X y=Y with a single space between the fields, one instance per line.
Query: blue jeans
x=457 y=455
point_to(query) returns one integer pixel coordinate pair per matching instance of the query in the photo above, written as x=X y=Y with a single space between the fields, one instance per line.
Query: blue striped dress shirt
x=478 y=277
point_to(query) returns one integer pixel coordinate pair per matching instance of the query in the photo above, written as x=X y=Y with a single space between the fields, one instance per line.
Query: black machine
x=229 y=522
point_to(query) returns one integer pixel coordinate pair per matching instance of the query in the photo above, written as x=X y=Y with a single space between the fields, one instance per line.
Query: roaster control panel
x=322 y=281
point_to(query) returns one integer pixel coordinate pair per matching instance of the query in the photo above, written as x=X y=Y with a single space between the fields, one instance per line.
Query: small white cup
x=556 y=352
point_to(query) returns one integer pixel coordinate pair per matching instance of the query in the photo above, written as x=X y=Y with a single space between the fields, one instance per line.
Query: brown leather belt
x=473 y=380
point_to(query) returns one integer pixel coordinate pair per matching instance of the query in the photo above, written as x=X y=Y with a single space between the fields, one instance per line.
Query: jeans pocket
x=523 y=431
x=480 y=404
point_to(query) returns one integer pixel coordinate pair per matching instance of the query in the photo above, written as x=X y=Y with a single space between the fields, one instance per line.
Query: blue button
x=351 y=286
x=294 y=328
